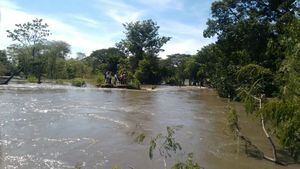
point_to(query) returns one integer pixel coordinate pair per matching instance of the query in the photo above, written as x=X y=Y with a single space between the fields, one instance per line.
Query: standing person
x=116 y=78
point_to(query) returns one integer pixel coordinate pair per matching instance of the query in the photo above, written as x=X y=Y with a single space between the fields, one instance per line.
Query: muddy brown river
x=57 y=127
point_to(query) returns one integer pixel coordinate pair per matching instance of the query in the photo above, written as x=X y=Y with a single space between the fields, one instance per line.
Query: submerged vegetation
x=166 y=146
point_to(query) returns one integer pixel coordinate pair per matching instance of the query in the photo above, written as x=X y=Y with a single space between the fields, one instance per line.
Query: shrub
x=78 y=82
x=32 y=79
x=59 y=81
x=99 y=79
x=134 y=84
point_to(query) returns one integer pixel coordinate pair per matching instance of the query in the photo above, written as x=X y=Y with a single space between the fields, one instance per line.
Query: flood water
x=44 y=126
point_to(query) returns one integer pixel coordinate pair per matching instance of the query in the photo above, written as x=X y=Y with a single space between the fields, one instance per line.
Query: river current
x=56 y=127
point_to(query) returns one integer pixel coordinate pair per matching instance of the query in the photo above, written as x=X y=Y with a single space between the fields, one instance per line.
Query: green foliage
x=100 y=79
x=5 y=65
x=3 y=69
x=254 y=74
x=142 y=42
x=32 y=79
x=140 y=138
x=173 y=69
x=115 y=167
x=188 y=164
x=30 y=33
x=256 y=54
x=59 y=81
x=173 y=81
x=78 y=82
x=77 y=68
x=250 y=97
x=31 y=36
x=134 y=84
x=165 y=144
x=232 y=120
x=247 y=33
x=284 y=115
x=56 y=53
x=148 y=71
x=105 y=60
x=191 y=70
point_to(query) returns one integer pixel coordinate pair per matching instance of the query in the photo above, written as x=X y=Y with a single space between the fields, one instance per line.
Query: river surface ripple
x=57 y=127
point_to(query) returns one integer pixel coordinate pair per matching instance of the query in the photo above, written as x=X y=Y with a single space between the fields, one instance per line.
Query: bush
x=99 y=79
x=134 y=84
x=59 y=81
x=32 y=79
x=78 y=82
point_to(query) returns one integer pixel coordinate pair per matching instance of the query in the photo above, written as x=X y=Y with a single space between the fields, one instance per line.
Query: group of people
x=122 y=79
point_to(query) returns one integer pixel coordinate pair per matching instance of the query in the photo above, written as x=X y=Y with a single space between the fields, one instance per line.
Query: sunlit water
x=47 y=126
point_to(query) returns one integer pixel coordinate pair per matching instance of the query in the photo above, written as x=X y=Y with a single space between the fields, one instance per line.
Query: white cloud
x=163 y=4
x=8 y=4
x=180 y=29
x=80 y=41
x=123 y=16
x=119 y=11
x=87 y=21
x=184 y=46
x=185 y=38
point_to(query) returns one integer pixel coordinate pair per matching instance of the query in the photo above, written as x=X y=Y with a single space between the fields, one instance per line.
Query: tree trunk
x=39 y=79
x=11 y=76
x=274 y=159
x=239 y=134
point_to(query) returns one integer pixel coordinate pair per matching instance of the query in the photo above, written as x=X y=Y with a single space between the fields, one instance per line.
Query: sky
x=88 y=25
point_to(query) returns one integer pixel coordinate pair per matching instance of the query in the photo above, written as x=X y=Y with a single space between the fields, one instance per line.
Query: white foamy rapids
x=25 y=161
x=5 y=142
x=66 y=140
x=32 y=86
x=110 y=120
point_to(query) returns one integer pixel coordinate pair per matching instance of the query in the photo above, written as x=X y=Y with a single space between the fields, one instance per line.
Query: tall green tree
x=55 y=53
x=174 y=67
x=31 y=36
x=283 y=113
x=142 y=40
x=247 y=33
x=148 y=71
x=105 y=60
x=257 y=55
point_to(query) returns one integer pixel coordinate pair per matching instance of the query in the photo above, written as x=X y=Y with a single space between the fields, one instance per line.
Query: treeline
x=33 y=56
x=51 y=61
